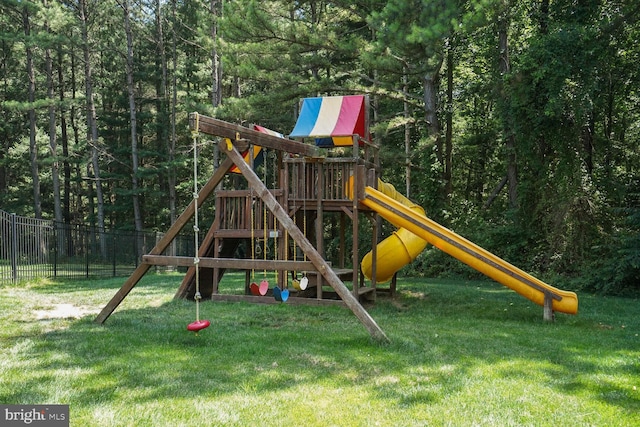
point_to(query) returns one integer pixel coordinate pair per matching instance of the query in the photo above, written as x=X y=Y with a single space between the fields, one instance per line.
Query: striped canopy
x=333 y=120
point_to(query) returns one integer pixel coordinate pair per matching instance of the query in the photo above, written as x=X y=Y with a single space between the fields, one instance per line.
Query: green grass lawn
x=461 y=354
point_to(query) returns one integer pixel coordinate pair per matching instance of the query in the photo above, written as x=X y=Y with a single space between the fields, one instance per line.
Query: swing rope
x=198 y=324
x=275 y=221
x=253 y=219
x=280 y=294
x=196 y=230
x=254 y=288
x=264 y=222
x=304 y=280
x=253 y=237
x=301 y=284
x=265 y=225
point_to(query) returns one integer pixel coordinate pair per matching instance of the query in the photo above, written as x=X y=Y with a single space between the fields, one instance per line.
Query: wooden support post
x=173 y=231
x=358 y=176
x=320 y=264
x=319 y=225
x=342 y=240
x=394 y=283
x=374 y=251
x=548 y=315
x=283 y=236
x=372 y=181
x=217 y=243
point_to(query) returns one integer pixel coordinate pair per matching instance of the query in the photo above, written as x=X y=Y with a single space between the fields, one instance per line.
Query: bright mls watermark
x=34 y=415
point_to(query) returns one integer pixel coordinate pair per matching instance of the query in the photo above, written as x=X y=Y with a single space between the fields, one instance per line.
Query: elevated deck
x=244 y=228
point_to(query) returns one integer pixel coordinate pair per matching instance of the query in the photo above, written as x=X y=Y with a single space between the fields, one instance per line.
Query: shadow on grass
x=595 y=353
x=147 y=354
x=442 y=336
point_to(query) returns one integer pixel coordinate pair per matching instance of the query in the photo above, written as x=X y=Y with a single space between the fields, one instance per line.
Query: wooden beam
x=166 y=240
x=301 y=240
x=241 y=264
x=223 y=129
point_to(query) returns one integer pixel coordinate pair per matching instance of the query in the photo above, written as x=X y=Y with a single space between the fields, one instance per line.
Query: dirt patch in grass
x=64 y=311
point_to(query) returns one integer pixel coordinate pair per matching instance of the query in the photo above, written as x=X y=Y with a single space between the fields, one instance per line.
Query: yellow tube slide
x=397 y=250
x=469 y=253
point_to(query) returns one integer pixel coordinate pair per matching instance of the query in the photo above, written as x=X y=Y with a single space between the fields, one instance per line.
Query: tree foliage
x=536 y=158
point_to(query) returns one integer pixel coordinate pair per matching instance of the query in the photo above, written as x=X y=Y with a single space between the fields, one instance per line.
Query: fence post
x=13 y=249
x=56 y=242
x=86 y=252
x=158 y=237
x=113 y=251
x=135 y=246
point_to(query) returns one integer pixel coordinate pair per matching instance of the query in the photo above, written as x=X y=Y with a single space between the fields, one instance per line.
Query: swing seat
x=255 y=289
x=264 y=287
x=198 y=325
x=281 y=295
x=301 y=285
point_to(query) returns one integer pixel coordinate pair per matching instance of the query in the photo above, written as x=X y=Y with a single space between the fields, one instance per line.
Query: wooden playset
x=287 y=218
x=279 y=219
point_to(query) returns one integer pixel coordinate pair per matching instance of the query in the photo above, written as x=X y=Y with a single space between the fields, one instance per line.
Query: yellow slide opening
x=397 y=250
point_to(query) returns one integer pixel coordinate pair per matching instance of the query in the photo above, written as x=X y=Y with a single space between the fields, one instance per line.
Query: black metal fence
x=31 y=248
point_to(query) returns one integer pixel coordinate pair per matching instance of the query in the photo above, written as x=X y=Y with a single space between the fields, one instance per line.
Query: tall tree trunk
x=53 y=137
x=448 y=140
x=64 y=140
x=78 y=208
x=174 y=103
x=430 y=84
x=216 y=67
x=216 y=64
x=4 y=140
x=92 y=124
x=588 y=131
x=407 y=134
x=509 y=137
x=163 y=111
x=544 y=16
x=137 y=216
x=430 y=87
x=33 y=148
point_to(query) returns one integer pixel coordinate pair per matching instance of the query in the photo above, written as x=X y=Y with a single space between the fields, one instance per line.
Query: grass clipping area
x=462 y=354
